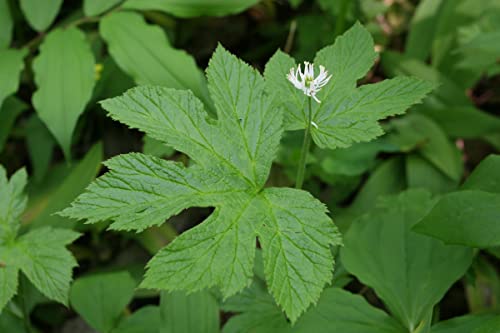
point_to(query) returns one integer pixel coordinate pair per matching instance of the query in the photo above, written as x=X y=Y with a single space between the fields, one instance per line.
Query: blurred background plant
x=59 y=58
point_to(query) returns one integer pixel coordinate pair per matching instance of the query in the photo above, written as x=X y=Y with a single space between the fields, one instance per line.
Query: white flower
x=306 y=82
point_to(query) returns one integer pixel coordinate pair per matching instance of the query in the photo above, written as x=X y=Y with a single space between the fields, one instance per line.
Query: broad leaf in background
x=41 y=145
x=96 y=7
x=420 y=173
x=40 y=254
x=192 y=8
x=422 y=29
x=470 y=216
x=78 y=179
x=101 y=298
x=340 y=311
x=144 y=320
x=64 y=75
x=196 y=312
x=129 y=38
x=6 y=24
x=410 y=272
x=11 y=65
x=40 y=13
x=337 y=311
x=346 y=115
x=9 y=110
x=232 y=158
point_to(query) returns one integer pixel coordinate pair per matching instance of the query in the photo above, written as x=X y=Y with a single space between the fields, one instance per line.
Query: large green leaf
x=192 y=8
x=101 y=299
x=6 y=24
x=64 y=75
x=181 y=313
x=8 y=284
x=129 y=37
x=408 y=271
x=345 y=115
x=11 y=65
x=422 y=29
x=340 y=311
x=40 y=13
x=232 y=158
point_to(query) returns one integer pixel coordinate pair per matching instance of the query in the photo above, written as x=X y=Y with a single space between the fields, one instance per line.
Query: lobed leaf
x=232 y=157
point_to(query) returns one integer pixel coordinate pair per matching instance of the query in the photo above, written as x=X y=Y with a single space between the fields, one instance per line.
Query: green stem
x=305 y=148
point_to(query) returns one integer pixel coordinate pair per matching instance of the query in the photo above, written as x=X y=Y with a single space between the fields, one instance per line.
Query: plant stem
x=305 y=148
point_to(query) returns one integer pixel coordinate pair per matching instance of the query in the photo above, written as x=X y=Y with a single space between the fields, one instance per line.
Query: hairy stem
x=305 y=148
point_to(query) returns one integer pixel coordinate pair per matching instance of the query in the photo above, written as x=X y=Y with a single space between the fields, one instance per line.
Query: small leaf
x=43 y=258
x=340 y=311
x=40 y=13
x=101 y=299
x=144 y=320
x=96 y=7
x=6 y=24
x=485 y=176
x=192 y=8
x=129 y=37
x=9 y=111
x=64 y=75
x=8 y=284
x=11 y=66
x=181 y=313
x=410 y=272
x=12 y=203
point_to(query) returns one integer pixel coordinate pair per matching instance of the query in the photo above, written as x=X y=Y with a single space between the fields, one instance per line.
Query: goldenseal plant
x=232 y=157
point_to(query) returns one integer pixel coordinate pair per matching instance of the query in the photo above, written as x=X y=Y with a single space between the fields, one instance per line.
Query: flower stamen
x=306 y=82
